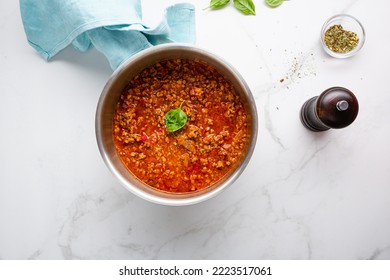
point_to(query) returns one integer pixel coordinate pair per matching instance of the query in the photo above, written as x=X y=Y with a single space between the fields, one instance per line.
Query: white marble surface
x=303 y=195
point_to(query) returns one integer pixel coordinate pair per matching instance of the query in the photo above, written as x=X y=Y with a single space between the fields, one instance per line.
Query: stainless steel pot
x=110 y=96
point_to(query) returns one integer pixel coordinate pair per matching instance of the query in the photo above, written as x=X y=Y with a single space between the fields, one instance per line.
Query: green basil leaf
x=245 y=6
x=217 y=4
x=274 y=3
x=175 y=119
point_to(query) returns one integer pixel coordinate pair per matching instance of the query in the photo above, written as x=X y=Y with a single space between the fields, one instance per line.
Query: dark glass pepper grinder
x=336 y=107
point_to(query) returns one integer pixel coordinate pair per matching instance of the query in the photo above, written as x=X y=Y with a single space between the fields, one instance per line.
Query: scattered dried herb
x=339 y=40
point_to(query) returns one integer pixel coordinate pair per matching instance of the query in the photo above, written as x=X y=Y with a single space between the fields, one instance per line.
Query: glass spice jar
x=342 y=36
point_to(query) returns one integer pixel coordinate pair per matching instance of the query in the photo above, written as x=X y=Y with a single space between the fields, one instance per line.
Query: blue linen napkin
x=113 y=27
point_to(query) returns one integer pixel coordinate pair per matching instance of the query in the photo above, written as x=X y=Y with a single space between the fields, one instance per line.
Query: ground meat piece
x=193 y=131
x=186 y=143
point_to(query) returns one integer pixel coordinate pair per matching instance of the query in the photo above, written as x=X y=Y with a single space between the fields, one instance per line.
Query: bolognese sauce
x=210 y=144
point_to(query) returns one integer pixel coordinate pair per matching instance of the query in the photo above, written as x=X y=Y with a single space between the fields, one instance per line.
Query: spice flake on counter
x=301 y=66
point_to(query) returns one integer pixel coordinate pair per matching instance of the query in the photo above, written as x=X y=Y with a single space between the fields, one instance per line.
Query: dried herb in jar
x=339 y=40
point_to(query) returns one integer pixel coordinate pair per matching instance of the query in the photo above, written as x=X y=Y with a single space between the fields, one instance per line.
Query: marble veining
x=303 y=195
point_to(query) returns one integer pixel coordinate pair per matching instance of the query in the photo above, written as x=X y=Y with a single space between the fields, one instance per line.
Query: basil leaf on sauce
x=175 y=119
x=245 y=6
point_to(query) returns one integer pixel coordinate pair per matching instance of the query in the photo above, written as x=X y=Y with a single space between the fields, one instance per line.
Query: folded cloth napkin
x=113 y=27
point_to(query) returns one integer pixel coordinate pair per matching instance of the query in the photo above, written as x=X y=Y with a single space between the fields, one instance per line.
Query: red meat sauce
x=207 y=148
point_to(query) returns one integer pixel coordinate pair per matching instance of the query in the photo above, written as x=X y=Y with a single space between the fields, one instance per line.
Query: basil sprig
x=245 y=6
x=274 y=3
x=217 y=4
x=175 y=119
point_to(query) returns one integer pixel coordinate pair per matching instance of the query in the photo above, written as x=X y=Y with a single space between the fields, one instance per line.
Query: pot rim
x=150 y=194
